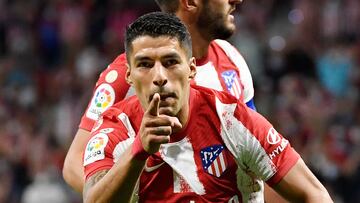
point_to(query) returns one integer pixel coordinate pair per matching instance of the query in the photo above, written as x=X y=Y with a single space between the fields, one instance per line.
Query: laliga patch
x=103 y=98
x=106 y=130
x=95 y=149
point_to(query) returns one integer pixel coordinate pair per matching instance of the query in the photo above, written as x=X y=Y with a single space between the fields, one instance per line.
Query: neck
x=200 y=48
x=200 y=44
x=184 y=113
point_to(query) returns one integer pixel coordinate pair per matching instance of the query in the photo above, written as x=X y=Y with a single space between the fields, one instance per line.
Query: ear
x=127 y=76
x=192 y=66
x=189 y=5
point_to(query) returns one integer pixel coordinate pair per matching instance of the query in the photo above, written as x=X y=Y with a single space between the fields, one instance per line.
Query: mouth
x=164 y=96
x=230 y=14
x=231 y=11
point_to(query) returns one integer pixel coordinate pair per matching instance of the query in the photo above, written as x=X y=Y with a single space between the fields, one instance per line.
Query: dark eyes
x=170 y=62
x=149 y=64
x=145 y=64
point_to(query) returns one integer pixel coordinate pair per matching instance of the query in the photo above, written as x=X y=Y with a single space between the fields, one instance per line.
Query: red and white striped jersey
x=223 y=69
x=220 y=155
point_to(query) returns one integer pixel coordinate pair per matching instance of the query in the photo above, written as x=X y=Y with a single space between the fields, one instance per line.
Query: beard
x=212 y=24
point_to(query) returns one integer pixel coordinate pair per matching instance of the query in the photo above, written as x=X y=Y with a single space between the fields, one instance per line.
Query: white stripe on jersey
x=123 y=145
x=239 y=61
x=236 y=89
x=180 y=184
x=216 y=167
x=222 y=162
x=207 y=76
x=247 y=151
x=126 y=121
x=210 y=170
x=180 y=156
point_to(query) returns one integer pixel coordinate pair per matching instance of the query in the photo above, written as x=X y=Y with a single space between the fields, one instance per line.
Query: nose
x=160 y=78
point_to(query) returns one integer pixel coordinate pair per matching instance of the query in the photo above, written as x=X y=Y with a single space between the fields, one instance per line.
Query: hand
x=156 y=129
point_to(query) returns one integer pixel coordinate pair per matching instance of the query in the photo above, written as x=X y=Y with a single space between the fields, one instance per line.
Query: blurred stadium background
x=304 y=56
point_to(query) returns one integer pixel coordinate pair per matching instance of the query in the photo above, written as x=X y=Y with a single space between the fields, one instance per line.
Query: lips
x=231 y=16
x=163 y=96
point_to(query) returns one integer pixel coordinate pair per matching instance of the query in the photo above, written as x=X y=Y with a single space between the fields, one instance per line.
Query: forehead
x=156 y=46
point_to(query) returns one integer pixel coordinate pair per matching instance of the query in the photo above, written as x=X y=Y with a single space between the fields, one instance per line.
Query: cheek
x=182 y=77
x=140 y=80
x=139 y=87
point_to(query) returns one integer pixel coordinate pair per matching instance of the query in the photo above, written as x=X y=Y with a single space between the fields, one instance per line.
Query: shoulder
x=114 y=73
x=115 y=69
x=210 y=94
x=130 y=105
x=224 y=45
x=229 y=49
x=120 y=59
x=128 y=112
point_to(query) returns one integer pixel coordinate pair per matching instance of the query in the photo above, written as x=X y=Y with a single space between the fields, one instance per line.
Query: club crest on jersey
x=213 y=160
x=232 y=82
x=103 y=98
x=95 y=149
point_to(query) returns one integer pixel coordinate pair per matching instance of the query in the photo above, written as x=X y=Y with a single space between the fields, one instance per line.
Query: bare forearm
x=73 y=174
x=320 y=197
x=115 y=185
x=301 y=185
x=73 y=166
x=271 y=196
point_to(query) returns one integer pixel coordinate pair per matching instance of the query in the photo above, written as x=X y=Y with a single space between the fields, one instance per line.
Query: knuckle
x=147 y=131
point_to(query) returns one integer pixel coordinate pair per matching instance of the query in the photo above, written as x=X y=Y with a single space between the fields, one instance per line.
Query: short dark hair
x=157 y=24
x=170 y=6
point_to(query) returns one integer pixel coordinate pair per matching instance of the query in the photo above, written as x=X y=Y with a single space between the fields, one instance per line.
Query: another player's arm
x=73 y=165
x=301 y=185
x=72 y=171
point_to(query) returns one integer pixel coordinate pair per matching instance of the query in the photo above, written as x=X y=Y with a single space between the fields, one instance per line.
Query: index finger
x=153 y=108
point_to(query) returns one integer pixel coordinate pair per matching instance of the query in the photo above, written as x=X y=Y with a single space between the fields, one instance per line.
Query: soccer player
x=176 y=142
x=219 y=66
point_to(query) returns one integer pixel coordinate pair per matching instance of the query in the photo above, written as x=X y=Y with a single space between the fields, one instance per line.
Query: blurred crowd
x=304 y=56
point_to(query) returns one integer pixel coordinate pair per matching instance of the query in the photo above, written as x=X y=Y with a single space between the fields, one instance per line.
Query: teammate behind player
x=219 y=66
x=184 y=143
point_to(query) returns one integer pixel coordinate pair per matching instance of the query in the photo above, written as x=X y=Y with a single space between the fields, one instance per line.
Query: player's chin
x=226 y=31
x=230 y=28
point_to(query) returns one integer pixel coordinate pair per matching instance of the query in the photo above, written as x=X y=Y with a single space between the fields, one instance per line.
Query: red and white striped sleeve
x=266 y=152
x=110 y=138
x=110 y=88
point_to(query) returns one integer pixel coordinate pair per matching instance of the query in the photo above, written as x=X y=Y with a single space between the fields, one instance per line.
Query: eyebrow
x=168 y=55
x=141 y=58
x=171 y=55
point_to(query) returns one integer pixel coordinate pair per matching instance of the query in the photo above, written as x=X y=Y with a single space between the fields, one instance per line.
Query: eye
x=144 y=64
x=170 y=62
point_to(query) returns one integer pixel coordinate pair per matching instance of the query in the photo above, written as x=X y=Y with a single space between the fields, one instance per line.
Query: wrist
x=138 y=150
